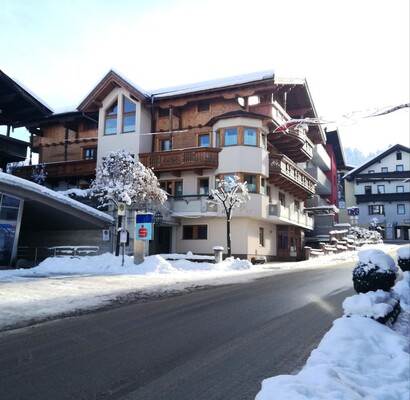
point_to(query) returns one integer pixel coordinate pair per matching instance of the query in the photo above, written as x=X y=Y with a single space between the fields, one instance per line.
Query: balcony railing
x=183 y=159
x=60 y=169
x=382 y=197
x=286 y=175
x=286 y=214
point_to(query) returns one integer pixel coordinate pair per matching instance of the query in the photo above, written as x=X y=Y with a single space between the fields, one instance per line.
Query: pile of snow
x=359 y=358
x=373 y=258
x=403 y=252
x=371 y=304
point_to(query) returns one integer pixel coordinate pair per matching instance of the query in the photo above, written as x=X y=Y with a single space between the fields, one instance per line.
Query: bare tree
x=230 y=193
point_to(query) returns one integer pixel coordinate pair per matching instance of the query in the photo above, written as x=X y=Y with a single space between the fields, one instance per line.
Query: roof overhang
x=45 y=209
x=18 y=104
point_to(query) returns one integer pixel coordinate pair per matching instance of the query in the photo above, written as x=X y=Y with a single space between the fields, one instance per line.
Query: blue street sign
x=143 y=226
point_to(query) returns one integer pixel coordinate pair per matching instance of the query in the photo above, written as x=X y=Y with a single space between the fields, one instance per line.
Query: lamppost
x=158 y=217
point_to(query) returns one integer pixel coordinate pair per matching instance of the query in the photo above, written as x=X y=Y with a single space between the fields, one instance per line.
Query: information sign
x=143 y=226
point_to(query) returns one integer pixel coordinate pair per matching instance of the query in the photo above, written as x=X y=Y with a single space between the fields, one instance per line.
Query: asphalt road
x=215 y=343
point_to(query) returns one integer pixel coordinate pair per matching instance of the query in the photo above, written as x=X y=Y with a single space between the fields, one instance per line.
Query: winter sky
x=354 y=54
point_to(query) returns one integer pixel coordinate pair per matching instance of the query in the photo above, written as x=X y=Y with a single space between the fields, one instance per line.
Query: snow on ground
x=358 y=358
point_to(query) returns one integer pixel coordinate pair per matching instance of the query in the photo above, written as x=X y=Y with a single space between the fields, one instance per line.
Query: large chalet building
x=192 y=135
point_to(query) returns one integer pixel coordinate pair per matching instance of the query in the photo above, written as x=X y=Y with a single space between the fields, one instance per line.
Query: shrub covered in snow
x=364 y=236
x=375 y=270
x=403 y=258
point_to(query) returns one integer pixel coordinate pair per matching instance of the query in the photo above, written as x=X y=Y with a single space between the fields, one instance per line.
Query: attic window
x=111 y=119
x=203 y=105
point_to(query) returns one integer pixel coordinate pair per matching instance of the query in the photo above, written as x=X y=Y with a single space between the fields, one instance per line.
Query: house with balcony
x=382 y=192
x=190 y=136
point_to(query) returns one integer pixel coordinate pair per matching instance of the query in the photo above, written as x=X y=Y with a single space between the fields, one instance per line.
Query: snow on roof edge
x=212 y=84
x=34 y=187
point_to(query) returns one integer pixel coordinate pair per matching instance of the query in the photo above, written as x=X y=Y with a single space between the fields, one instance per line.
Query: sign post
x=143 y=233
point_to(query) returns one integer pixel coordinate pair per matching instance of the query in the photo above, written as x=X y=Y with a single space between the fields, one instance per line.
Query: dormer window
x=111 y=115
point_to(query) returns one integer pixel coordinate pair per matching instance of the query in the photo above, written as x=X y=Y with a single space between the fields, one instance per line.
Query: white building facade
x=382 y=192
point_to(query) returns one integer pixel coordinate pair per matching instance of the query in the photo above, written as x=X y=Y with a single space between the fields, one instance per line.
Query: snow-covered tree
x=230 y=193
x=121 y=179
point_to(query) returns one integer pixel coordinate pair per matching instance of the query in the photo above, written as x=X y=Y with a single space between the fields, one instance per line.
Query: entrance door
x=162 y=240
x=283 y=245
x=289 y=242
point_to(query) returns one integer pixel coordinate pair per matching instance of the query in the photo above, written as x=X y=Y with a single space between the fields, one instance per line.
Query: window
x=203 y=185
x=282 y=199
x=398 y=156
x=231 y=137
x=371 y=171
x=251 y=182
x=128 y=116
x=385 y=169
x=173 y=188
x=194 y=232
x=90 y=153
x=165 y=144
x=203 y=105
x=218 y=140
x=400 y=168
x=376 y=210
x=250 y=137
x=111 y=119
x=203 y=140
x=401 y=209
x=367 y=190
x=399 y=189
x=261 y=237
x=380 y=189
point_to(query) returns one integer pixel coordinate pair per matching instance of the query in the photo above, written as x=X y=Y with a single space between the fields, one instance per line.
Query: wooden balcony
x=80 y=168
x=195 y=159
x=286 y=175
x=291 y=141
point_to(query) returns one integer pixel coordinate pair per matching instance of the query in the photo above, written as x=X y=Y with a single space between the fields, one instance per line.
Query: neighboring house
x=66 y=144
x=198 y=133
x=382 y=192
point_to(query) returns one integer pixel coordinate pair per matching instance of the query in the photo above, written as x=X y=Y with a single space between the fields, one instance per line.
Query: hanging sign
x=143 y=226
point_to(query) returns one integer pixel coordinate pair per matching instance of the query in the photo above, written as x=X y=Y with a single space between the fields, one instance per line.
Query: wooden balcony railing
x=60 y=169
x=183 y=159
x=286 y=175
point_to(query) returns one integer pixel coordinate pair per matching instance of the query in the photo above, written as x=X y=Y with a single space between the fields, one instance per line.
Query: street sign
x=143 y=226
x=121 y=209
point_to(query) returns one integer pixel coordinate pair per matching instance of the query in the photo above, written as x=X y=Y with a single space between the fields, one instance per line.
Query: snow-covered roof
x=376 y=158
x=213 y=84
x=22 y=188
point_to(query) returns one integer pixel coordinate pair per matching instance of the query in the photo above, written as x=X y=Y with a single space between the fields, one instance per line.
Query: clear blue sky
x=354 y=54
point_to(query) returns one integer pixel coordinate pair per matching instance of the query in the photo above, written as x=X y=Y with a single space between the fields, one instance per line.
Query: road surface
x=216 y=343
